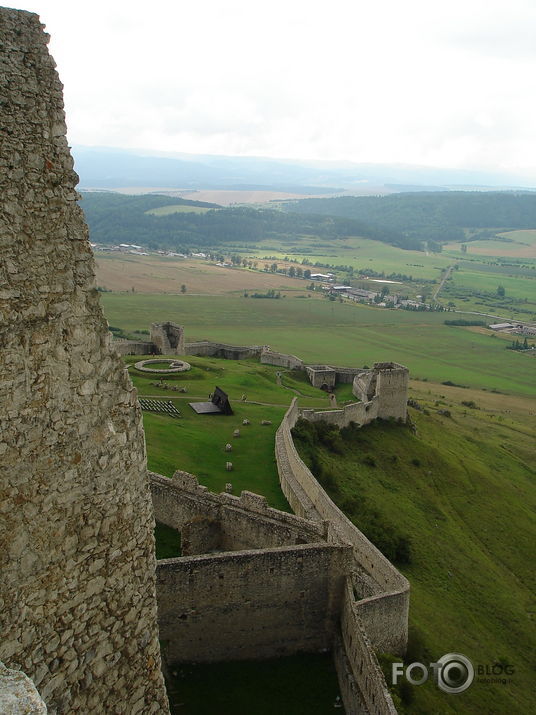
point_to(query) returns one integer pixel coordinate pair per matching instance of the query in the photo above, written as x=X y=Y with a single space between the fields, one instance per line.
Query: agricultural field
x=360 y=253
x=178 y=208
x=510 y=244
x=337 y=333
x=119 y=272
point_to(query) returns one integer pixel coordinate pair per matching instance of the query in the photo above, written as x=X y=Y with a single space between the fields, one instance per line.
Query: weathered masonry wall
x=359 y=412
x=245 y=522
x=205 y=348
x=290 y=362
x=392 y=388
x=77 y=593
x=251 y=604
x=168 y=338
x=133 y=347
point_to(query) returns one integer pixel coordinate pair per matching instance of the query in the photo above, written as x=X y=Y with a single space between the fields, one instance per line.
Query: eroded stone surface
x=18 y=695
x=77 y=594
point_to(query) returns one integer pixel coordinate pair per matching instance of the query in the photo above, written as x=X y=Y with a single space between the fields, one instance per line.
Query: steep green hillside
x=453 y=504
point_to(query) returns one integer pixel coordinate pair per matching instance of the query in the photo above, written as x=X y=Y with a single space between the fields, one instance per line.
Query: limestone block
x=18 y=695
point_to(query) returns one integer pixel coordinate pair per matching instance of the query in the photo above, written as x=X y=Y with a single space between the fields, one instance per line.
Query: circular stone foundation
x=174 y=366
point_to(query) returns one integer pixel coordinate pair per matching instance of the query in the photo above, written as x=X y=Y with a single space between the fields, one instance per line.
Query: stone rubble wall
x=320 y=375
x=134 y=347
x=365 y=672
x=77 y=593
x=361 y=413
x=251 y=604
x=245 y=522
x=290 y=362
x=392 y=389
x=168 y=338
x=206 y=348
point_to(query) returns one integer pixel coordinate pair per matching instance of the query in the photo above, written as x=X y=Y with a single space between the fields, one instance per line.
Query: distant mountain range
x=108 y=168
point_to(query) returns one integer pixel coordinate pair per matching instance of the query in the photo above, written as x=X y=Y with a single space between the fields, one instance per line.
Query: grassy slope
x=337 y=333
x=468 y=510
x=470 y=577
x=195 y=443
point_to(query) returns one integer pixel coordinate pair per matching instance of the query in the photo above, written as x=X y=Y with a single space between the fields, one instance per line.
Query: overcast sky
x=448 y=83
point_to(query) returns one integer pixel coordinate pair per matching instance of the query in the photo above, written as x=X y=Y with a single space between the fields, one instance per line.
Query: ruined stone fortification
x=207 y=348
x=382 y=391
x=375 y=604
x=254 y=582
x=168 y=338
x=77 y=591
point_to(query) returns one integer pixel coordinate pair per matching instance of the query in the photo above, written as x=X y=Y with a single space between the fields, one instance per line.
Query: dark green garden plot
x=296 y=685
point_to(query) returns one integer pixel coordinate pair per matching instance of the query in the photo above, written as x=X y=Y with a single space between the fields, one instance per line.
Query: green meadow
x=318 y=330
x=360 y=253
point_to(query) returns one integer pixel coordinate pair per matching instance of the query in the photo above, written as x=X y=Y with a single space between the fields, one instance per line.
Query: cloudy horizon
x=416 y=83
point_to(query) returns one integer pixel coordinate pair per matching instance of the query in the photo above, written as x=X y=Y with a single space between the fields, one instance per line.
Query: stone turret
x=77 y=586
x=168 y=338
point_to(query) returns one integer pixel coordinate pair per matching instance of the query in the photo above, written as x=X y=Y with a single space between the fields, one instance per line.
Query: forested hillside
x=115 y=218
x=410 y=221
x=431 y=216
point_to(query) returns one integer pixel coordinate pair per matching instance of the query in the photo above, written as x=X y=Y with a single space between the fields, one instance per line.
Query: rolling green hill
x=454 y=505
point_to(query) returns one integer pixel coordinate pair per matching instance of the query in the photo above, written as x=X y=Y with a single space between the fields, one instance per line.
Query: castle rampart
x=77 y=592
x=290 y=362
x=251 y=604
x=245 y=522
x=376 y=600
x=207 y=348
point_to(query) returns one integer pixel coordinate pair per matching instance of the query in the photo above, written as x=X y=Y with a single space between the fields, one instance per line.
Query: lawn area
x=196 y=443
x=336 y=333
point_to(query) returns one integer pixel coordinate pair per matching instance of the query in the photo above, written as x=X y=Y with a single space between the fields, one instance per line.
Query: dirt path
x=440 y=286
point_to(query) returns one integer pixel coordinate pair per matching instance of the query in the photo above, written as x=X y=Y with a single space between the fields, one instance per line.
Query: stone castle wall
x=245 y=522
x=251 y=604
x=168 y=338
x=377 y=602
x=133 y=347
x=77 y=593
x=290 y=362
x=359 y=412
x=207 y=348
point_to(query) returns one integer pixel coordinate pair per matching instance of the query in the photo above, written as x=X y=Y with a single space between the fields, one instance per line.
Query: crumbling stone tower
x=168 y=338
x=77 y=585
